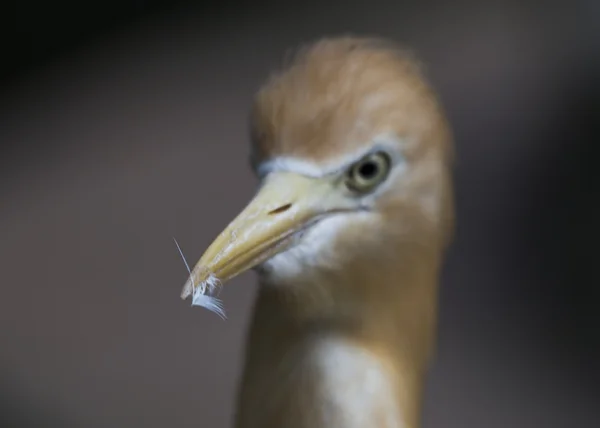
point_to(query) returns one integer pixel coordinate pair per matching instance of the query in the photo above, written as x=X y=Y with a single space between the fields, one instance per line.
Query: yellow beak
x=286 y=204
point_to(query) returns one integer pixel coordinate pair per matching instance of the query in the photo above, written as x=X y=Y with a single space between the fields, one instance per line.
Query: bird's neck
x=353 y=360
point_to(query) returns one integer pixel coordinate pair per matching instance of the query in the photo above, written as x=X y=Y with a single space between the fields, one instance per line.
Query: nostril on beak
x=281 y=209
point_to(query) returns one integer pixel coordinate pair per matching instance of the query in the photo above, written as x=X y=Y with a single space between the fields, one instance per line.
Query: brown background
x=138 y=135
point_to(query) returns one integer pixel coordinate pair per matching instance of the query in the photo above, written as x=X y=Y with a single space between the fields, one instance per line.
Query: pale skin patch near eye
x=385 y=141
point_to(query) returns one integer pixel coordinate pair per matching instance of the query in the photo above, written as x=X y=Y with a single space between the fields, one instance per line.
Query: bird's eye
x=368 y=172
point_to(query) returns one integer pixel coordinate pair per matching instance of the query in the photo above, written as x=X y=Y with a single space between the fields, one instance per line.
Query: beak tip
x=187 y=290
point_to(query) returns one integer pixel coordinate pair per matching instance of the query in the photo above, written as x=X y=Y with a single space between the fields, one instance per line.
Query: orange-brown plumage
x=334 y=94
x=344 y=322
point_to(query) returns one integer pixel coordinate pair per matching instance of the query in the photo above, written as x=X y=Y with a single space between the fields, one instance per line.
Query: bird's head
x=353 y=152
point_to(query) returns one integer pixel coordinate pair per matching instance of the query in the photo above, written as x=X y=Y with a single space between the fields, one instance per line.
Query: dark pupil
x=368 y=170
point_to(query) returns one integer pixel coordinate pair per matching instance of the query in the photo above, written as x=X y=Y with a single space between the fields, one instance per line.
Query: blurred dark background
x=124 y=123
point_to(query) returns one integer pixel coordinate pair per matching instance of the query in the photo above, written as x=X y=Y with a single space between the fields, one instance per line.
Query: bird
x=347 y=233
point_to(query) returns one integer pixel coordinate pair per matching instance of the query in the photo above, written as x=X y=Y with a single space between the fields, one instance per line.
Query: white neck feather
x=331 y=383
x=354 y=387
